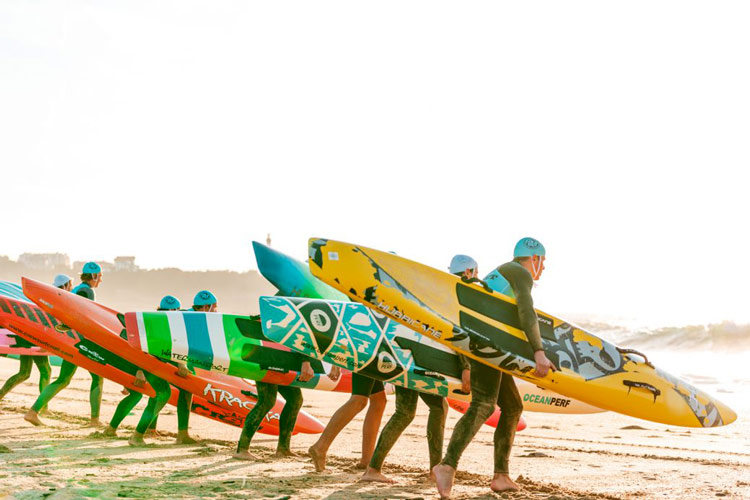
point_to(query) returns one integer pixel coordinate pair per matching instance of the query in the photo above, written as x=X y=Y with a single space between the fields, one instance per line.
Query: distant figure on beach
x=268 y=240
x=91 y=278
x=64 y=282
x=490 y=386
x=406 y=402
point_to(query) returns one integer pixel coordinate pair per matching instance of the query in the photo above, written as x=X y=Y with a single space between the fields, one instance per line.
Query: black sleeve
x=522 y=282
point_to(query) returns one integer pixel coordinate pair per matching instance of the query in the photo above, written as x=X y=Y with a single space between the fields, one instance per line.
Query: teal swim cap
x=528 y=247
x=204 y=298
x=170 y=302
x=91 y=268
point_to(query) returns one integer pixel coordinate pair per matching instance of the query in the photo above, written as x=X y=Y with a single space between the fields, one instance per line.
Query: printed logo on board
x=386 y=363
x=320 y=320
x=333 y=256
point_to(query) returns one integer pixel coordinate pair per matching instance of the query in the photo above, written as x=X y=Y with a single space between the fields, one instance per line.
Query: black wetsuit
x=490 y=386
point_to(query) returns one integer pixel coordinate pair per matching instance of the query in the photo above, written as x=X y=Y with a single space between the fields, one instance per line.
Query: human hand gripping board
x=484 y=326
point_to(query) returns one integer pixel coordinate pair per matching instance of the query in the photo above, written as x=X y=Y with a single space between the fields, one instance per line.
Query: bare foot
x=503 y=482
x=375 y=475
x=136 y=440
x=361 y=466
x=94 y=422
x=45 y=412
x=285 y=453
x=318 y=459
x=32 y=418
x=110 y=431
x=243 y=455
x=152 y=433
x=444 y=475
x=184 y=439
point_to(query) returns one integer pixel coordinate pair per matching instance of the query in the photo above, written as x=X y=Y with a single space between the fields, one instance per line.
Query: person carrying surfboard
x=91 y=278
x=288 y=418
x=490 y=386
x=64 y=282
x=161 y=387
x=364 y=390
x=204 y=301
x=406 y=402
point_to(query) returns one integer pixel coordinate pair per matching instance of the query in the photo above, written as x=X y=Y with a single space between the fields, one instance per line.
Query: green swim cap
x=528 y=247
x=204 y=298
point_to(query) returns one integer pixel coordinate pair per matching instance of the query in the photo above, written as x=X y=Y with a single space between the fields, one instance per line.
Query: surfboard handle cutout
x=642 y=385
x=622 y=350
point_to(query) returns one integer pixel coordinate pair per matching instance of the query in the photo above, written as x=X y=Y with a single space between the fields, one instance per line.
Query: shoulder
x=516 y=274
x=84 y=291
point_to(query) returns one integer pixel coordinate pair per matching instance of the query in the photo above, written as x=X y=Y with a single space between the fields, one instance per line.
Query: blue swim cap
x=170 y=302
x=204 y=298
x=461 y=263
x=528 y=247
x=91 y=268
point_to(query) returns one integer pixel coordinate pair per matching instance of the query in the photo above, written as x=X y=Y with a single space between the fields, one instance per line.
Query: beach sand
x=557 y=457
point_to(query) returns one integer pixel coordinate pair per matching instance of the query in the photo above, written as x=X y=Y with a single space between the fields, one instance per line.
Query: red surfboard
x=92 y=347
x=9 y=344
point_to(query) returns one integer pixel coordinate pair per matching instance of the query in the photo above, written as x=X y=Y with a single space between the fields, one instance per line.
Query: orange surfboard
x=227 y=399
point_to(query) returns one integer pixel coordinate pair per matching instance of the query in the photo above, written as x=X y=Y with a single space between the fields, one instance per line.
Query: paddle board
x=484 y=326
x=276 y=266
x=95 y=338
x=225 y=343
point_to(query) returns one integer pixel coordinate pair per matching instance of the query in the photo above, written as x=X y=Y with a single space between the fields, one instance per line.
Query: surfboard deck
x=484 y=326
x=434 y=357
x=92 y=328
x=225 y=343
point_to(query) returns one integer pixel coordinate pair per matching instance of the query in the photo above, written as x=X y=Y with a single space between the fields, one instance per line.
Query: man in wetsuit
x=364 y=390
x=406 y=403
x=287 y=419
x=64 y=282
x=161 y=387
x=91 y=277
x=490 y=386
x=204 y=301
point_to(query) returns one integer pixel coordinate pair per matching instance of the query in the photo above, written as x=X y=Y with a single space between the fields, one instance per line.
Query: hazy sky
x=616 y=133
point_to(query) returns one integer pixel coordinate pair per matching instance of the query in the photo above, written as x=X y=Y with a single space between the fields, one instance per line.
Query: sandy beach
x=556 y=457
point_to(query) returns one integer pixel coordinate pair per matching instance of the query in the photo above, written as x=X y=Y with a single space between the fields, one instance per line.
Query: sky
x=178 y=132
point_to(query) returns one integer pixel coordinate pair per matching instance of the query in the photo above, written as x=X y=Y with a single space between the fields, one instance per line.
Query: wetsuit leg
x=95 y=394
x=124 y=407
x=485 y=384
x=184 y=403
x=67 y=369
x=406 y=408
x=24 y=371
x=266 y=400
x=288 y=417
x=163 y=391
x=45 y=371
x=511 y=408
x=435 y=425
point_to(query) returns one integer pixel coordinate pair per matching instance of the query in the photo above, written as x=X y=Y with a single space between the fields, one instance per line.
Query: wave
x=725 y=336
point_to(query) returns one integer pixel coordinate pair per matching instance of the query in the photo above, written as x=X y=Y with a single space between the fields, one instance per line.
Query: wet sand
x=556 y=457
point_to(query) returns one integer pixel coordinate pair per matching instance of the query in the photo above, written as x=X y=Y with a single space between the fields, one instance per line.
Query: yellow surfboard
x=484 y=325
